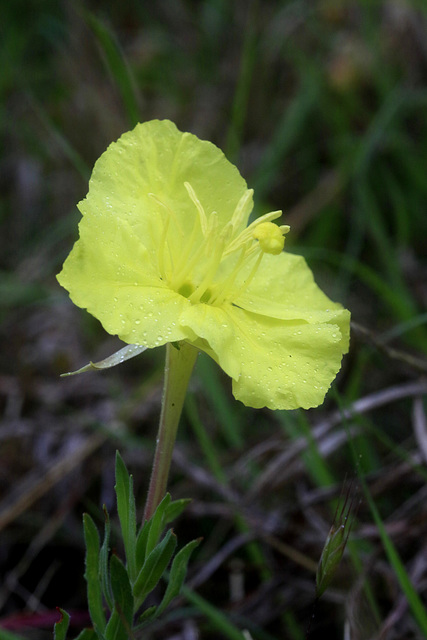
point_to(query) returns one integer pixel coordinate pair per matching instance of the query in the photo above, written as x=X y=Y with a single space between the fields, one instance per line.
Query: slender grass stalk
x=228 y=414
x=59 y=139
x=294 y=426
x=415 y=603
x=217 y=619
x=208 y=448
x=241 y=96
x=117 y=65
x=204 y=440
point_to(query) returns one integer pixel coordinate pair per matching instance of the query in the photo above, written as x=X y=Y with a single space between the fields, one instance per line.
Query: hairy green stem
x=180 y=361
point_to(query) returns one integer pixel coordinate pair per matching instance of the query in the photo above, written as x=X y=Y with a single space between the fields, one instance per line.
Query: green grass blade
x=286 y=133
x=414 y=600
x=297 y=425
x=8 y=635
x=204 y=440
x=117 y=65
x=217 y=619
x=241 y=96
x=226 y=411
x=58 y=137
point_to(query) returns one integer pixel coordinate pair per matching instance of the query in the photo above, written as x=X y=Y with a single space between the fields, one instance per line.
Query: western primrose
x=166 y=254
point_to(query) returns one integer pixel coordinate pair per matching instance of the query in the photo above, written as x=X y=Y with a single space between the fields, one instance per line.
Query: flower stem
x=179 y=365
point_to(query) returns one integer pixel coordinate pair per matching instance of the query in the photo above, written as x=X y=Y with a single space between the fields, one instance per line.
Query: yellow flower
x=165 y=255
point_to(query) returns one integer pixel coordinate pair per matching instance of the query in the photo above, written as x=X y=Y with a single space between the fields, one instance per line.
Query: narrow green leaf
x=126 y=353
x=153 y=568
x=61 y=627
x=116 y=627
x=147 y=615
x=157 y=524
x=175 y=508
x=141 y=544
x=92 y=574
x=177 y=574
x=87 y=634
x=103 y=563
x=122 y=593
x=120 y=585
x=127 y=514
x=119 y=626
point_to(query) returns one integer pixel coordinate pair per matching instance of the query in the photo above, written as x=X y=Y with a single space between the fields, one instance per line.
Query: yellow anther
x=270 y=237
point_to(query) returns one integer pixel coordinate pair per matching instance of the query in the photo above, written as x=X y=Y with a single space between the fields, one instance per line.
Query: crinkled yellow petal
x=280 y=364
x=109 y=274
x=161 y=206
x=156 y=158
x=284 y=287
x=137 y=184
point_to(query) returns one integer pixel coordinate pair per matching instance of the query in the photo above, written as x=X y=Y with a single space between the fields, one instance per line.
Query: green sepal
x=61 y=627
x=119 y=626
x=154 y=567
x=177 y=574
x=92 y=575
x=126 y=353
x=103 y=562
x=127 y=513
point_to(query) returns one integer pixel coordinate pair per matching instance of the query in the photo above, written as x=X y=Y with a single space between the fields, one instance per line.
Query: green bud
x=337 y=538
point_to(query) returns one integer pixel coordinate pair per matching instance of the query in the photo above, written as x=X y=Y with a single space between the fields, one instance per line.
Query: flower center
x=211 y=264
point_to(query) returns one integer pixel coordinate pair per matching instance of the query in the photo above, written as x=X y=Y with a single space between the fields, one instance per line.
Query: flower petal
x=156 y=158
x=114 y=268
x=276 y=363
x=284 y=287
x=109 y=274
